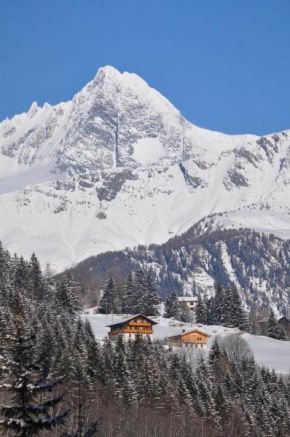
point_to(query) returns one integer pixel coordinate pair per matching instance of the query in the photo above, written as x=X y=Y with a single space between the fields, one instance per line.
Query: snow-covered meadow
x=274 y=354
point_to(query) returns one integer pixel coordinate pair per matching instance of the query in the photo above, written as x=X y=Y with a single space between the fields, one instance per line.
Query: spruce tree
x=234 y=314
x=172 y=305
x=274 y=330
x=107 y=304
x=21 y=377
x=67 y=296
x=150 y=299
x=139 y=291
x=128 y=295
x=201 y=311
x=184 y=313
x=37 y=284
x=218 y=306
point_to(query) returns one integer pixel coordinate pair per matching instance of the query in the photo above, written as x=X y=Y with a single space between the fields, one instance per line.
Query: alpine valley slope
x=119 y=166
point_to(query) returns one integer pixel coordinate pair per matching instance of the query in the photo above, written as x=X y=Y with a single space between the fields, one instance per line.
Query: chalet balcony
x=138 y=324
x=132 y=330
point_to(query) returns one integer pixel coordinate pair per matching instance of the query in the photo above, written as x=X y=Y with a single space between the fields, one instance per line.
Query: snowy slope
x=274 y=354
x=119 y=166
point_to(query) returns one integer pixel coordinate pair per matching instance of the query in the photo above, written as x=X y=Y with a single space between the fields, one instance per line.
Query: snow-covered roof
x=121 y=322
x=189 y=332
x=187 y=299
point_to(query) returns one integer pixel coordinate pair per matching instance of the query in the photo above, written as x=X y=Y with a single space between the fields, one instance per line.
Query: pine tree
x=150 y=299
x=21 y=274
x=128 y=295
x=67 y=296
x=215 y=353
x=274 y=330
x=201 y=311
x=21 y=377
x=139 y=291
x=184 y=313
x=107 y=304
x=218 y=306
x=37 y=284
x=172 y=305
x=209 y=308
x=234 y=314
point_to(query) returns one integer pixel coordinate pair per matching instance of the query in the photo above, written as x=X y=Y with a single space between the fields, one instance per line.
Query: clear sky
x=225 y=64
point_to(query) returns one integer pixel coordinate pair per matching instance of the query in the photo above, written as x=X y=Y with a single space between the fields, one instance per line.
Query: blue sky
x=225 y=64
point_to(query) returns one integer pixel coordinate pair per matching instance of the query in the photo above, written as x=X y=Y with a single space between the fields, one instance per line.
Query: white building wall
x=126 y=336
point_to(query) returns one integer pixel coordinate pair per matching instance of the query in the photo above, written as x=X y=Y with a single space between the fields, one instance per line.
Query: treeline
x=224 y=308
x=137 y=295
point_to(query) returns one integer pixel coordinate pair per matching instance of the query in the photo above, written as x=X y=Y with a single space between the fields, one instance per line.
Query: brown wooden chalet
x=130 y=328
x=194 y=338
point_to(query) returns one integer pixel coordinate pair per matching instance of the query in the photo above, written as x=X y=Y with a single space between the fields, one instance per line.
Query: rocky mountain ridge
x=119 y=166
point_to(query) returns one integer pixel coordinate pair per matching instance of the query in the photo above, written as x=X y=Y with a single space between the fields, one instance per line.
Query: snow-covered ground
x=274 y=354
x=143 y=174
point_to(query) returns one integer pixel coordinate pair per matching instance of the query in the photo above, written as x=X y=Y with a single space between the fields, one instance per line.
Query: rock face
x=119 y=166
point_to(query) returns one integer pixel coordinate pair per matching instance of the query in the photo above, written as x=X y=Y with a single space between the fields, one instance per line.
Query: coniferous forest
x=57 y=380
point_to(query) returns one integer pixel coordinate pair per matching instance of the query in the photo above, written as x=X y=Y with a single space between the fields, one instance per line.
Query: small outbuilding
x=130 y=328
x=194 y=338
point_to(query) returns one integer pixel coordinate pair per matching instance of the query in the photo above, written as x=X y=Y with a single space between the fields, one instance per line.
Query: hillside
x=268 y=352
x=193 y=262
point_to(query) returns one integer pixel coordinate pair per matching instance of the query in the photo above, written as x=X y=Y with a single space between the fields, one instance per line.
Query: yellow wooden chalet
x=194 y=338
x=130 y=328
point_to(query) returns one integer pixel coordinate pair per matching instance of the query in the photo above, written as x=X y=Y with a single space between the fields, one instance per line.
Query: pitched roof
x=121 y=322
x=187 y=299
x=190 y=332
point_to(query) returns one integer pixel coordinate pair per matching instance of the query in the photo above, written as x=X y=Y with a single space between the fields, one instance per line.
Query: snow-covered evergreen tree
x=37 y=283
x=67 y=296
x=234 y=314
x=218 y=306
x=172 y=305
x=107 y=304
x=201 y=311
x=150 y=299
x=128 y=295
x=139 y=291
x=274 y=330
x=184 y=314
x=30 y=411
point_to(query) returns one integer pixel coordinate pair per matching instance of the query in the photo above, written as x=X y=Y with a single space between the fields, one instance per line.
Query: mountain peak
x=33 y=109
x=107 y=72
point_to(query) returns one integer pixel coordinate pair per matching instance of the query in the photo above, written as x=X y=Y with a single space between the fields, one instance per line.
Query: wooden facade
x=130 y=328
x=194 y=338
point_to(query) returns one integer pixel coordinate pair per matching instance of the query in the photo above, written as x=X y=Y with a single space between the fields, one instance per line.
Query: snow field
x=273 y=354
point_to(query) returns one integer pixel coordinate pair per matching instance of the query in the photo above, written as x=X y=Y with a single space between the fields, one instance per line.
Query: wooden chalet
x=130 y=328
x=194 y=338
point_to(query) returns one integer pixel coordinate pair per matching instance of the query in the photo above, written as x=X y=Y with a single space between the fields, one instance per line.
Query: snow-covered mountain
x=119 y=166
